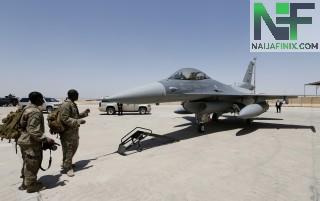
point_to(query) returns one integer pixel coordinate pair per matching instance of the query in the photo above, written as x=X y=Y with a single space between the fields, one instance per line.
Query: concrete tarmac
x=276 y=158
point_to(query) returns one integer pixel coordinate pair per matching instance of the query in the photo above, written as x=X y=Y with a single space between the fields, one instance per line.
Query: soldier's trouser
x=69 y=148
x=32 y=158
x=22 y=169
x=63 y=145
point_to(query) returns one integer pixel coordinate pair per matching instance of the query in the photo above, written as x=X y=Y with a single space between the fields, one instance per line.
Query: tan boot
x=35 y=188
x=70 y=173
x=22 y=187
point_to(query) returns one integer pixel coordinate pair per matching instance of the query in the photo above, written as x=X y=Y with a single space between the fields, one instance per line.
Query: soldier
x=71 y=119
x=30 y=142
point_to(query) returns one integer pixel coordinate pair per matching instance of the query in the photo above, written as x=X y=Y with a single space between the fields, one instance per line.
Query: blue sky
x=101 y=47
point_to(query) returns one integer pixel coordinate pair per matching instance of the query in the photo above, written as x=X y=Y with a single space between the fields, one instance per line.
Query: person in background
x=278 y=106
x=120 y=110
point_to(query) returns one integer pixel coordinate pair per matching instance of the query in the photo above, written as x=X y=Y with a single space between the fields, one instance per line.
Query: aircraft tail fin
x=246 y=82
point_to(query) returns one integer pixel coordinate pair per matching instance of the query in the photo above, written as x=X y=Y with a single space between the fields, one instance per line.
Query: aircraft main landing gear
x=215 y=117
x=201 y=127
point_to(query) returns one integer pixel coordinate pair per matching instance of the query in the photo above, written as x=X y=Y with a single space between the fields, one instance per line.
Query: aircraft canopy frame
x=189 y=74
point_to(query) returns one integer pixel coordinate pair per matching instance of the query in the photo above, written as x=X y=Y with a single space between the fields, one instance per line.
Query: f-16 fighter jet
x=202 y=95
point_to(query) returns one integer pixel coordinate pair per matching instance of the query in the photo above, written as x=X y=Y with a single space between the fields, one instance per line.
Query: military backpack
x=54 y=122
x=10 y=129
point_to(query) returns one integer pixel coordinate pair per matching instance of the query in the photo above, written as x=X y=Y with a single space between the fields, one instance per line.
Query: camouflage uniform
x=70 y=136
x=30 y=142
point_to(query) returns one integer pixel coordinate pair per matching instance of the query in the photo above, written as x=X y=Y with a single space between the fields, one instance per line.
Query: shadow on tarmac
x=125 y=114
x=215 y=127
x=83 y=165
x=52 y=181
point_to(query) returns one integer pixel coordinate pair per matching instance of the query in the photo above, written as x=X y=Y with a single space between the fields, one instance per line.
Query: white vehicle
x=49 y=103
x=112 y=108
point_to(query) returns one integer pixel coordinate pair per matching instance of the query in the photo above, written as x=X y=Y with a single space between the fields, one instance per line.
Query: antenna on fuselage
x=255 y=74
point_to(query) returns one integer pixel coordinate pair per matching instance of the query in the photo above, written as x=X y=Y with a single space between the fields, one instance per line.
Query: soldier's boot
x=73 y=165
x=66 y=170
x=35 y=187
x=70 y=173
x=22 y=187
x=63 y=171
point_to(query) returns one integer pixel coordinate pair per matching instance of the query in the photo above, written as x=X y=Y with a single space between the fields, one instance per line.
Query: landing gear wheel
x=201 y=128
x=249 y=121
x=214 y=117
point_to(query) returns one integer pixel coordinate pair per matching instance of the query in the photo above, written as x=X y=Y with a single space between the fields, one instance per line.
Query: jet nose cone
x=150 y=93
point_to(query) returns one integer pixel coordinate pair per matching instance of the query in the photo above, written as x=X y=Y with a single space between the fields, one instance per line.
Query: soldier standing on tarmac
x=30 y=142
x=71 y=119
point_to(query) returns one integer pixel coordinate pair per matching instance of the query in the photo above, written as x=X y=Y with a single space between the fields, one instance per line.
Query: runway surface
x=275 y=158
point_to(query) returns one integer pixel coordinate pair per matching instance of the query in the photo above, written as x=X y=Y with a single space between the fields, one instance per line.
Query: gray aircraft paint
x=202 y=95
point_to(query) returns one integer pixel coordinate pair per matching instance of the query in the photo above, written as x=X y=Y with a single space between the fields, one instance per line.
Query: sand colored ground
x=277 y=158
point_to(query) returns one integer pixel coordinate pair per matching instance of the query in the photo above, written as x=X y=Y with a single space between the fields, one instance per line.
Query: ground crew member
x=120 y=111
x=71 y=119
x=30 y=142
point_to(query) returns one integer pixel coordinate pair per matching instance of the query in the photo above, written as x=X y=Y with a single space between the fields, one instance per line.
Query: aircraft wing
x=216 y=95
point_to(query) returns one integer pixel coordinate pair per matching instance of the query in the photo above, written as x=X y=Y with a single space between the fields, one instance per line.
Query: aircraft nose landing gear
x=201 y=120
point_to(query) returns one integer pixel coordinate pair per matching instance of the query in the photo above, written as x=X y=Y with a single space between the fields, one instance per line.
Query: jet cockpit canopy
x=189 y=74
